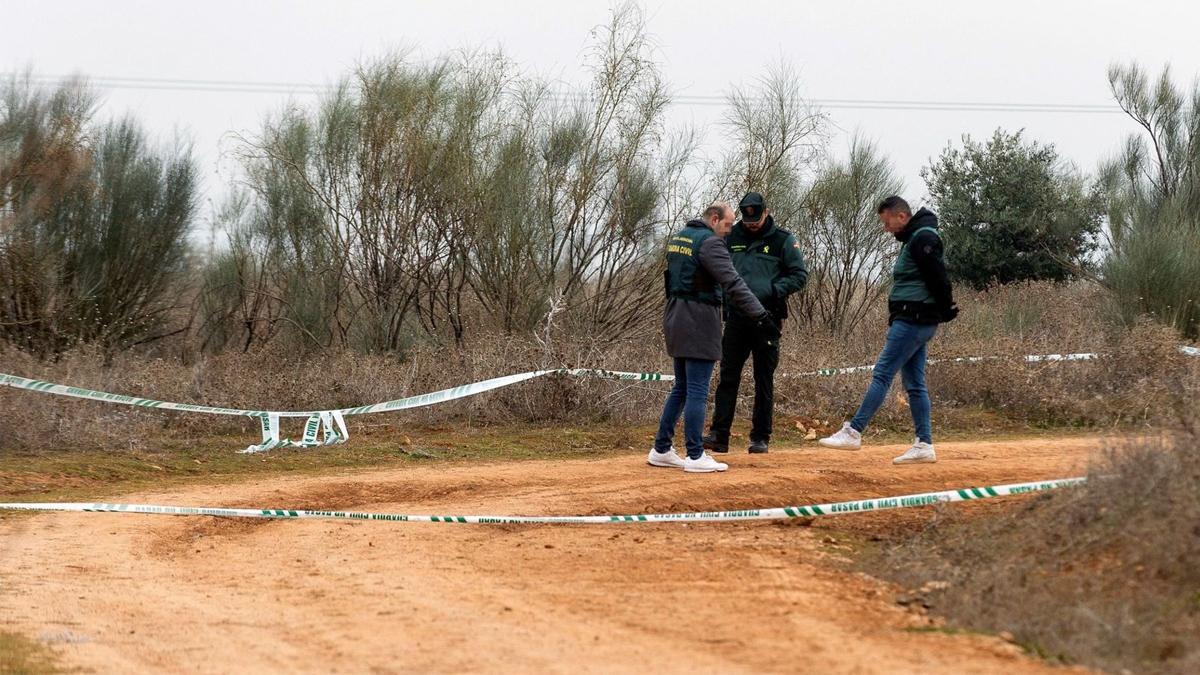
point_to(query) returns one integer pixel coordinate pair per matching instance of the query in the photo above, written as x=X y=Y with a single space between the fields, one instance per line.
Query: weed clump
x=1104 y=574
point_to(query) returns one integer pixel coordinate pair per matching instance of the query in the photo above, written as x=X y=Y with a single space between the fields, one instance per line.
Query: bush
x=849 y=255
x=1012 y=210
x=93 y=224
x=1153 y=271
x=1153 y=194
x=1103 y=574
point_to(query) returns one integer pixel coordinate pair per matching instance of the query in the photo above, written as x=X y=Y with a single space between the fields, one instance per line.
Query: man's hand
x=768 y=330
x=949 y=312
x=777 y=302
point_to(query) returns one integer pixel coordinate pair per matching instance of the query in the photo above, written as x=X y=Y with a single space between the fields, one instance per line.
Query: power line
x=305 y=88
x=175 y=84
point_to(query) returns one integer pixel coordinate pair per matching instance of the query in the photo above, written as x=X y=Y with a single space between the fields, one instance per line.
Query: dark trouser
x=740 y=342
x=688 y=397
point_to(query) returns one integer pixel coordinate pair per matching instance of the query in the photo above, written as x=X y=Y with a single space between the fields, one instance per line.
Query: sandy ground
x=128 y=593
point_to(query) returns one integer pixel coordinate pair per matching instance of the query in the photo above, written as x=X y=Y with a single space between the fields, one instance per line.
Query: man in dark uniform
x=769 y=259
x=699 y=272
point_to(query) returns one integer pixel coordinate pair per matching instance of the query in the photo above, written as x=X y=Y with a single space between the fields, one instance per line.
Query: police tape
x=331 y=421
x=333 y=424
x=1031 y=358
x=781 y=513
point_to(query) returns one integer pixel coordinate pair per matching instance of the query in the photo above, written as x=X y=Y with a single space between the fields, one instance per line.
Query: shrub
x=1103 y=574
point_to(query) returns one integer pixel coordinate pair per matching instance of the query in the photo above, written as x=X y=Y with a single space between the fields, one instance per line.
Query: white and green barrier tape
x=780 y=513
x=333 y=422
x=1032 y=358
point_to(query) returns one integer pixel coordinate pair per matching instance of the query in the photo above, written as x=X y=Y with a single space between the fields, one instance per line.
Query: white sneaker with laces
x=669 y=459
x=919 y=453
x=704 y=464
x=847 y=438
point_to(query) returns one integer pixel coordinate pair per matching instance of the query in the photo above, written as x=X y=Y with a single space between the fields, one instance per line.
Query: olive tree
x=1013 y=210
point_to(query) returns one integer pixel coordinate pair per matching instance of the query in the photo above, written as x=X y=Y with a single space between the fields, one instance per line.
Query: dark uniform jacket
x=771 y=263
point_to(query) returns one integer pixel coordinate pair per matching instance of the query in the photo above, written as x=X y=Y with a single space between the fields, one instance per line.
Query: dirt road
x=126 y=593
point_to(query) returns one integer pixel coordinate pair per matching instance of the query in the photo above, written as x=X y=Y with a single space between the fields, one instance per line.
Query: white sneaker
x=847 y=438
x=669 y=459
x=705 y=464
x=919 y=453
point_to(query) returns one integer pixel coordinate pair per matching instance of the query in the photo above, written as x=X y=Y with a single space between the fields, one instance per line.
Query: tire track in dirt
x=204 y=595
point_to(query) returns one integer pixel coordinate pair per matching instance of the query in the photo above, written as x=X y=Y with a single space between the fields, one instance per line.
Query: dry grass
x=21 y=656
x=1144 y=381
x=1104 y=575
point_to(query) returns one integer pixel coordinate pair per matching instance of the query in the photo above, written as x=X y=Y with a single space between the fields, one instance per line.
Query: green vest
x=907 y=284
x=686 y=279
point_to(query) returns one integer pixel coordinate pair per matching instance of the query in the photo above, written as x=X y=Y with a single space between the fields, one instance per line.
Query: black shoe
x=758 y=447
x=711 y=443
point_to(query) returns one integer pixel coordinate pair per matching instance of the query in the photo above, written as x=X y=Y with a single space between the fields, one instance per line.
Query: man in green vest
x=699 y=274
x=920 y=300
x=768 y=258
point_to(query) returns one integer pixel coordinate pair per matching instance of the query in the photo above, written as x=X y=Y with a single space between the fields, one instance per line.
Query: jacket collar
x=922 y=218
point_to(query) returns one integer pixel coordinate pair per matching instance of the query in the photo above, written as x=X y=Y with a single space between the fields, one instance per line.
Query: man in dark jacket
x=920 y=299
x=768 y=258
x=698 y=270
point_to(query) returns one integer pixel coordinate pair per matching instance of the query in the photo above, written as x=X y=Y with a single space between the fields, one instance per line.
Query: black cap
x=752 y=207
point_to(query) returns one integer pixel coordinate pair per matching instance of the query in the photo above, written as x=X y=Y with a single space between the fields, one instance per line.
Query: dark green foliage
x=1012 y=210
x=849 y=254
x=95 y=224
x=1153 y=188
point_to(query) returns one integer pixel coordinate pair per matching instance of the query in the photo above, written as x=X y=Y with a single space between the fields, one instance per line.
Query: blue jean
x=905 y=350
x=688 y=397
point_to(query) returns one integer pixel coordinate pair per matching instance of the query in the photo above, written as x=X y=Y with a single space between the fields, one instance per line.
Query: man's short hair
x=894 y=203
x=719 y=210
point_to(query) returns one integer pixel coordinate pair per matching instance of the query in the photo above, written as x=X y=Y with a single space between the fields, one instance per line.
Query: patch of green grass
x=73 y=475
x=21 y=656
x=1044 y=654
x=1030 y=648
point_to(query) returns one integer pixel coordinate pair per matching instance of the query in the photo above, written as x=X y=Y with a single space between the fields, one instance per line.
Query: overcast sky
x=1044 y=52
